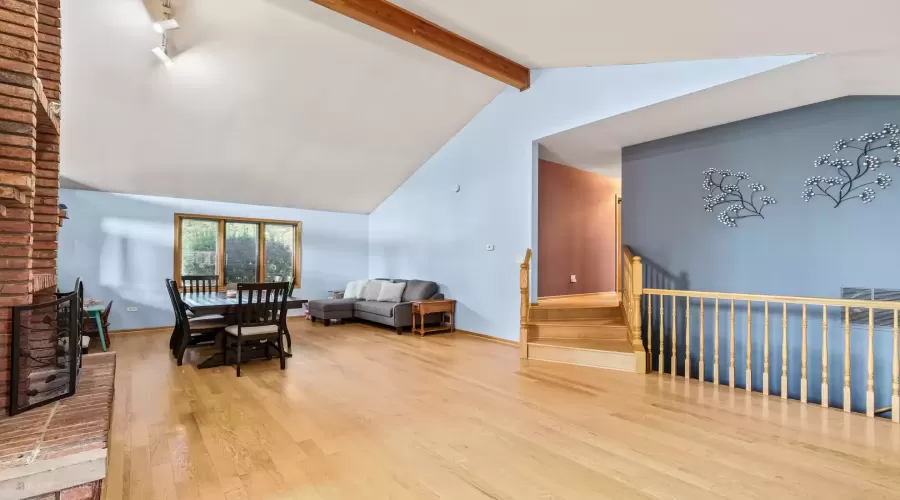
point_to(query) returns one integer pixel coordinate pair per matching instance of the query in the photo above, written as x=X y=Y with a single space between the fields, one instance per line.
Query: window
x=238 y=250
x=241 y=252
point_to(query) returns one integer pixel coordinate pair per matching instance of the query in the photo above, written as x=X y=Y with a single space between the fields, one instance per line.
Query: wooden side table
x=447 y=308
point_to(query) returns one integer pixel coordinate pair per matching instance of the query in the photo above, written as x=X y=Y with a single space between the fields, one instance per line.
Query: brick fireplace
x=58 y=450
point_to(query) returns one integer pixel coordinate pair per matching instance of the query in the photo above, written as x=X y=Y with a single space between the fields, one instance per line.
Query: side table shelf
x=447 y=309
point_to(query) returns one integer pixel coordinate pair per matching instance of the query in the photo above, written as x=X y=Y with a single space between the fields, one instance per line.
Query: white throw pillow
x=354 y=289
x=372 y=289
x=391 y=292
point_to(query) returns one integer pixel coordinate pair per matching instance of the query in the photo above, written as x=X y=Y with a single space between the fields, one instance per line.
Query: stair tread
x=579 y=322
x=589 y=344
x=610 y=305
x=601 y=299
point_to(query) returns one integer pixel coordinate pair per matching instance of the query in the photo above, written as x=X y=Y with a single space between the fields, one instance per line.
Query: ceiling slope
x=270 y=102
x=597 y=146
x=568 y=33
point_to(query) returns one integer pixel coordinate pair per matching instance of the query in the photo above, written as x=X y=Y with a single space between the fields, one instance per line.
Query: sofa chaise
x=393 y=314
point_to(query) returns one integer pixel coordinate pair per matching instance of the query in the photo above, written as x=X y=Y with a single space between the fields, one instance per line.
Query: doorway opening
x=579 y=231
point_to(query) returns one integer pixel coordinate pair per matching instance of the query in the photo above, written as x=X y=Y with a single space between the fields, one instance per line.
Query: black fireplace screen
x=46 y=350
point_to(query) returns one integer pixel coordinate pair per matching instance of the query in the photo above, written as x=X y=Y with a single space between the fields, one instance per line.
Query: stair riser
x=575 y=313
x=578 y=332
x=584 y=357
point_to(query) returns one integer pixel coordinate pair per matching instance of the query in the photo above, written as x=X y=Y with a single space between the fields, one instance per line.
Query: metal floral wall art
x=853 y=161
x=742 y=196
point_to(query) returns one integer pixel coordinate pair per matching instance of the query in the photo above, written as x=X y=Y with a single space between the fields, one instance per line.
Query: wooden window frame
x=220 y=244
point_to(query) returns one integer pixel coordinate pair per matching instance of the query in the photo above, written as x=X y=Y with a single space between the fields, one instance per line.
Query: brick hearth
x=61 y=446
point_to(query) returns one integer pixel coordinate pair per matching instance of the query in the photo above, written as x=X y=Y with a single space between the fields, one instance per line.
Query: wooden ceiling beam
x=401 y=23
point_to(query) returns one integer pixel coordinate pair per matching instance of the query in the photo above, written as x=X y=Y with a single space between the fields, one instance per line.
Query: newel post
x=525 y=303
x=637 y=289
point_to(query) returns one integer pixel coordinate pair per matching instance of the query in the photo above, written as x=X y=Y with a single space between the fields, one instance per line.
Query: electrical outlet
x=572 y=279
x=131 y=309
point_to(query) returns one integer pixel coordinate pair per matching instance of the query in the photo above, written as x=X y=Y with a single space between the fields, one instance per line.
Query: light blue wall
x=122 y=248
x=425 y=230
x=801 y=248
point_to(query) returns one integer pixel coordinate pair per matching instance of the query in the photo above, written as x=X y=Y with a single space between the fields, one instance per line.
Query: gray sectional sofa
x=395 y=314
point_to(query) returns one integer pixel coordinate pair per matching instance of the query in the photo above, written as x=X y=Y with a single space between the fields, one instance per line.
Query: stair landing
x=583 y=330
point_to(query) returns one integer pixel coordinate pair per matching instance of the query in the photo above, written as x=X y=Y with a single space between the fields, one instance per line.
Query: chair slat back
x=208 y=283
x=181 y=319
x=261 y=304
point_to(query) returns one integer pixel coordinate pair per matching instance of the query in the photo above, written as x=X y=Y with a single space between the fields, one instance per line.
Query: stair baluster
x=824 y=356
x=748 y=381
x=701 y=370
x=766 y=348
x=687 y=337
x=847 y=399
x=804 y=381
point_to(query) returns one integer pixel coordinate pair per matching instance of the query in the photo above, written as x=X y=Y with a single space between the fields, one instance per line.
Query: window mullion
x=220 y=253
x=261 y=261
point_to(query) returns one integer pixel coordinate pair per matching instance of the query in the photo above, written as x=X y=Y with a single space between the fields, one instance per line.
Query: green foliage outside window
x=199 y=240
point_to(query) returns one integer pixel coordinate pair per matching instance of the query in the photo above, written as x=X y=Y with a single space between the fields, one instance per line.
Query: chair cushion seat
x=252 y=331
x=207 y=317
x=385 y=309
x=332 y=305
x=207 y=322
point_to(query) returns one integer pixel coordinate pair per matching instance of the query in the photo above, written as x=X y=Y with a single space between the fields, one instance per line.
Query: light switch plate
x=572 y=279
x=489 y=248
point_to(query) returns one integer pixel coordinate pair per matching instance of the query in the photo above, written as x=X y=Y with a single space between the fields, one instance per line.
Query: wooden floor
x=363 y=413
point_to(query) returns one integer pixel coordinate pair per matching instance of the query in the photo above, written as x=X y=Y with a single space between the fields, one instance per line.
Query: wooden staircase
x=582 y=330
x=598 y=329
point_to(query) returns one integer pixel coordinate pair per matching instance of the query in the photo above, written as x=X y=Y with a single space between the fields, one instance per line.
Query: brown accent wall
x=576 y=230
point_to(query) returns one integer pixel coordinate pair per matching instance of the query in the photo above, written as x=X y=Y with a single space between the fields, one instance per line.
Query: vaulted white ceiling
x=565 y=33
x=270 y=102
x=285 y=103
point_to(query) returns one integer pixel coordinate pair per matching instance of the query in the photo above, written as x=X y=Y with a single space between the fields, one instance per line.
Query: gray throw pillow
x=391 y=292
x=372 y=289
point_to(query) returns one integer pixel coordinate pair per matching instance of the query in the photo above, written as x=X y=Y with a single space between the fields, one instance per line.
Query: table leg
x=99 y=322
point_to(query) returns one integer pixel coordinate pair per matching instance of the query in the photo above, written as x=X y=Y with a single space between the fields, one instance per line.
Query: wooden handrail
x=816 y=301
x=525 y=304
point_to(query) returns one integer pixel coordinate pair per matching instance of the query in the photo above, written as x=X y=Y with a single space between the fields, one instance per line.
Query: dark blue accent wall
x=800 y=248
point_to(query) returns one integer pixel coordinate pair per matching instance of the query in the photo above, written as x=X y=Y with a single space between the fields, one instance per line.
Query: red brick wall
x=29 y=158
x=89 y=491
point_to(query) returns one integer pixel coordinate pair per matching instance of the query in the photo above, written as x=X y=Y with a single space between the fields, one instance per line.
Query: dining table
x=207 y=303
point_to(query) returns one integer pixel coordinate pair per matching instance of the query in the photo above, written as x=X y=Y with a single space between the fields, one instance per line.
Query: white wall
x=122 y=247
x=425 y=230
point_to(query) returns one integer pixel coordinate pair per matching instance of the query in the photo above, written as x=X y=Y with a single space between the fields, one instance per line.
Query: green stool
x=94 y=312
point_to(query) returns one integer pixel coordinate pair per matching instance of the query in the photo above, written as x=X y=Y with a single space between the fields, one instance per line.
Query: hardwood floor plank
x=363 y=413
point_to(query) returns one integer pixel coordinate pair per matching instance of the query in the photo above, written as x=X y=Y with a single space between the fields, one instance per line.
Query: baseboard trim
x=141 y=330
x=490 y=338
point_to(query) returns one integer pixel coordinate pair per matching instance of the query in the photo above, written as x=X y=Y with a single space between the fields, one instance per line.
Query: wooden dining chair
x=261 y=321
x=190 y=331
x=206 y=283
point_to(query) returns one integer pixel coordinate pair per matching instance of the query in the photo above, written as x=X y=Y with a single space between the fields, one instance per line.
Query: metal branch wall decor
x=743 y=200
x=853 y=160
